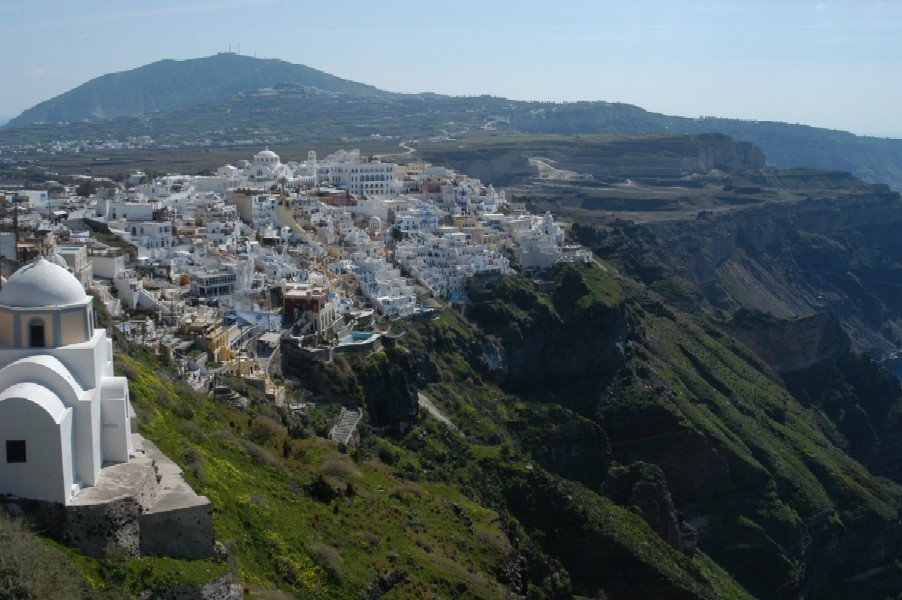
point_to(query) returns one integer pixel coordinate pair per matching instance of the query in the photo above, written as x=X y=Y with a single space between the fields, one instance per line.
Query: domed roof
x=42 y=284
x=267 y=154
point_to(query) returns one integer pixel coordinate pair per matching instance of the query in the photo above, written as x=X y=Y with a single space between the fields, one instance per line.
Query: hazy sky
x=835 y=64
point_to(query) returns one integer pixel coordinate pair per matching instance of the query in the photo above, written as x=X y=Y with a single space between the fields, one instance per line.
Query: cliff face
x=390 y=389
x=839 y=253
x=788 y=345
x=703 y=442
x=385 y=383
x=570 y=336
x=721 y=152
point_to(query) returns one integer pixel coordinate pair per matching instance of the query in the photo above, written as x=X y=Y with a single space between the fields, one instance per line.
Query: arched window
x=36 y=333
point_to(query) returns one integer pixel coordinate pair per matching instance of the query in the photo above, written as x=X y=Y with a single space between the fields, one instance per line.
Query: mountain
x=169 y=84
x=195 y=102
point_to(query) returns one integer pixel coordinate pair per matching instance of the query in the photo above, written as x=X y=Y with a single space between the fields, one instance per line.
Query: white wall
x=47 y=472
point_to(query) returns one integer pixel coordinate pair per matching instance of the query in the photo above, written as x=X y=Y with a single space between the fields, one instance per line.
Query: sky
x=833 y=64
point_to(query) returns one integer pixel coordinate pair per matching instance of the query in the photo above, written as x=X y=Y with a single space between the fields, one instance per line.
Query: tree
x=87 y=188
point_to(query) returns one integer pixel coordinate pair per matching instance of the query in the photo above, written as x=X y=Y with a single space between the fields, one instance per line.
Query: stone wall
x=144 y=506
x=182 y=533
x=88 y=529
x=92 y=528
x=223 y=588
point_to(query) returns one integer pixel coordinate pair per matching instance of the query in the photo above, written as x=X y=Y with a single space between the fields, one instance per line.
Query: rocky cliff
x=706 y=445
x=384 y=382
x=569 y=338
x=830 y=251
x=788 y=345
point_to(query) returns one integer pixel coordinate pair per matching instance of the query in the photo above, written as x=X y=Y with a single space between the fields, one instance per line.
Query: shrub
x=408 y=491
x=322 y=490
x=328 y=558
x=195 y=463
x=193 y=432
x=262 y=432
x=340 y=468
x=262 y=456
x=387 y=455
x=29 y=568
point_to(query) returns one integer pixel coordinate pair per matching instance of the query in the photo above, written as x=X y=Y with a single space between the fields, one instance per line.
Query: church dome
x=40 y=284
x=266 y=156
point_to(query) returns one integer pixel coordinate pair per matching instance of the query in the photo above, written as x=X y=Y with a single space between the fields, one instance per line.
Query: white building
x=76 y=258
x=255 y=208
x=150 y=236
x=268 y=168
x=540 y=244
x=63 y=412
x=349 y=171
x=444 y=263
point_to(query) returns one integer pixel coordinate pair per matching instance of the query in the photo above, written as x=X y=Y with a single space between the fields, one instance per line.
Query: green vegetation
x=603 y=441
x=301 y=516
x=682 y=466
x=34 y=568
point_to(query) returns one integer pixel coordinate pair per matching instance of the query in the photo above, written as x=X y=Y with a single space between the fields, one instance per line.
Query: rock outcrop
x=384 y=381
x=837 y=251
x=788 y=345
x=559 y=338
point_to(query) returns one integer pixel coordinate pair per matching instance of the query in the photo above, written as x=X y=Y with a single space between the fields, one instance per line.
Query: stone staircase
x=343 y=431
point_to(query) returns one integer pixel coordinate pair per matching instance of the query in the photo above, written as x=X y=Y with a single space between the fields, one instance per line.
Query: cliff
x=706 y=445
x=384 y=382
x=568 y=338
x=828 y=250
x=788 y=345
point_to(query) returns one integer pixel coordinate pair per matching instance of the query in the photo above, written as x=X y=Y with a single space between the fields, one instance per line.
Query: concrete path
x=433 y=410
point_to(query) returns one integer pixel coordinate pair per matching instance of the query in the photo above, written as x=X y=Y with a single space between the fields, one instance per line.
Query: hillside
x=170 y=84
x=694 y=415
x=229 y=99
x=700 y=219
x=605 y=441
x=662 y=461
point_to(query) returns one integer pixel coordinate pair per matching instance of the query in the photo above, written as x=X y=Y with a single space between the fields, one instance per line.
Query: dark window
x=36 y=334
x=15 y=451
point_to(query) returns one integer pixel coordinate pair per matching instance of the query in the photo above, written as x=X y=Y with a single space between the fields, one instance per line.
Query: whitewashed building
x=63 y=412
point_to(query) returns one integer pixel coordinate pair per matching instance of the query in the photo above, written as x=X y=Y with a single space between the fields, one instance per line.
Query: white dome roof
x=267 y=154
x=42 y=284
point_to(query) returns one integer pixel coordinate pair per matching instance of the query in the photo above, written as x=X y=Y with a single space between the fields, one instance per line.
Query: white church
x=63 y=412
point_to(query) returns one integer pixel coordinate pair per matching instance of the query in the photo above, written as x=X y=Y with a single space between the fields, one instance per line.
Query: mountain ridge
x=168 y=84
x=194 y=102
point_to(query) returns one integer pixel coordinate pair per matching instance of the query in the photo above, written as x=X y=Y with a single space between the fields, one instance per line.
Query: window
x=15 y=451
x=36 y=334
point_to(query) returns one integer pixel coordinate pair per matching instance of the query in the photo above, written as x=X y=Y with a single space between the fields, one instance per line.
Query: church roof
x=266 y=154
x=38 y=395
x=42 y=284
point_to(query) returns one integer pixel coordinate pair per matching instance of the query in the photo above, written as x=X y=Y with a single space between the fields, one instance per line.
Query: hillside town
x=219 y=272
